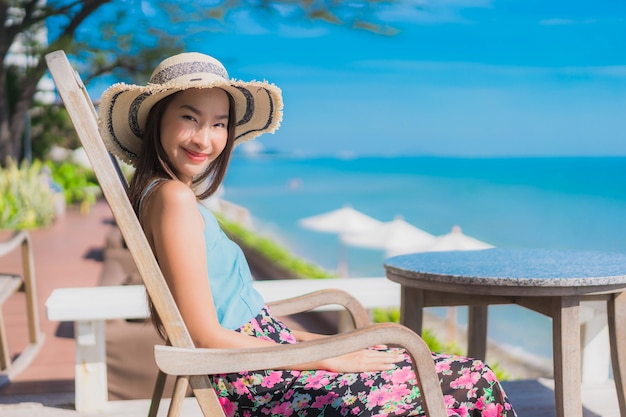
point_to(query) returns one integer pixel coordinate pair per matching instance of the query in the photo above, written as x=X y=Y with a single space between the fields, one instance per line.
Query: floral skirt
x=469 y=386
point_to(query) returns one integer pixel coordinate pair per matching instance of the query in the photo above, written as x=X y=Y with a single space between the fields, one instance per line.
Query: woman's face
x=194 y=130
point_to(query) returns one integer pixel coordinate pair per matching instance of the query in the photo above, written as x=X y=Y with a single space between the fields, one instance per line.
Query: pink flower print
x=478 y=365
x=239 y=387
x=442 y=367
x=369 y=383
x=316 y=380
x=289 y=394
x=228 y=407
x=490 y=376
x=480 y=403
x=402 y=375
x=467 y=380
x=282 y=409
x=256 y=327
x=462 y=411
x=323 y=400
x=272 y=379
x=356 y=411
x=398 y=391
x=284 y=335
x=449 y=401
x=492 y=410
x=377 y=397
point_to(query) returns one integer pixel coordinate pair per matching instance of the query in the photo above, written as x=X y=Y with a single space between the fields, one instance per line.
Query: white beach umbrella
x=341 y=221
x=396 y=237
x=457 y=240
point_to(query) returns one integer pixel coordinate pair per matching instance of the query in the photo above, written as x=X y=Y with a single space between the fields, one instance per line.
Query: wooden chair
x=192 y=365
x=10 y=284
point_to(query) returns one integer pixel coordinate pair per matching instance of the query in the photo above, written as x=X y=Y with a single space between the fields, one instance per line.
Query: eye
x=189 y=117
x=220 y=125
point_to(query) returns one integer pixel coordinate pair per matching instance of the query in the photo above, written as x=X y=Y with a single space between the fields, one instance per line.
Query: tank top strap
x=150 y=187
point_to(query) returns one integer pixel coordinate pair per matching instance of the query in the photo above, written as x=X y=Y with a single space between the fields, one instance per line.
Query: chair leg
x=206 y=396
x=157 y=394
x=5 y=361
x=30 y=289
x=180 y=391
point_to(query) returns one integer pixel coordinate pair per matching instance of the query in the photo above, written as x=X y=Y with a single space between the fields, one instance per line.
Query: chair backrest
x=113 y=183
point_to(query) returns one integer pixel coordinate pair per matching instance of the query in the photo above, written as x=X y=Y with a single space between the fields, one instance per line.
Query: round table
x=551 y=282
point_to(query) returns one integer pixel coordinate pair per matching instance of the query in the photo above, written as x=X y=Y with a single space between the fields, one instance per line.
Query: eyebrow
x=199 y=113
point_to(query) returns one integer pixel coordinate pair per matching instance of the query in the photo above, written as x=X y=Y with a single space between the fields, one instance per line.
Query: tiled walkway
x=67 y=254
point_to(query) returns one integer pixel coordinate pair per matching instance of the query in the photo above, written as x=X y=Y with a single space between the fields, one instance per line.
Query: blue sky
x=461 y=77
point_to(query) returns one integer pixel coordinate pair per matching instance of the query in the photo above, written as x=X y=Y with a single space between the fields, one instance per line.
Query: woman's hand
x=366 y=360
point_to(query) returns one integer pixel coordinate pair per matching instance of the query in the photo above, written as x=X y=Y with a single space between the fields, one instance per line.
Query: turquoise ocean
x=542 y=202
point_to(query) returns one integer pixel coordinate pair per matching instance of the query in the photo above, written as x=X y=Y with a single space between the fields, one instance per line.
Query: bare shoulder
x=174 y=193
x=171 y=200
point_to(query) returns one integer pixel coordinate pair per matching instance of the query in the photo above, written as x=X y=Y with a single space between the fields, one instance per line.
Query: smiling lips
x=196 y=156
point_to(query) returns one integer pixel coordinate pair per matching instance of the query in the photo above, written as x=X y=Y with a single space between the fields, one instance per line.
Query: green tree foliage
x=51 y=125
x=123 y=38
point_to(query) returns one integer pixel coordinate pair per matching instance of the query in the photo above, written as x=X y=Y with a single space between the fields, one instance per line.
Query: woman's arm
x=176 y=230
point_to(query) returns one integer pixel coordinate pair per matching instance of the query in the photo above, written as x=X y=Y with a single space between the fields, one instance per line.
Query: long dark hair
x=153 y=163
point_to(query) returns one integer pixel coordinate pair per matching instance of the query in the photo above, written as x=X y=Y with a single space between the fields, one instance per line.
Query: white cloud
x=431 y=11
x=473 y=69
x=561 y=22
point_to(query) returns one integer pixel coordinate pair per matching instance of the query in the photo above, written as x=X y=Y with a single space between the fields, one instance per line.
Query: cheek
x=221 y=142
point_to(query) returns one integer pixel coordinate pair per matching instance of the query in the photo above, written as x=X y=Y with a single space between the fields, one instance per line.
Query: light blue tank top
x=236 y=300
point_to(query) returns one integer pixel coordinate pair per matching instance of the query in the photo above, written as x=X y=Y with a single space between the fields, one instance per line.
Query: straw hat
x=124 y=107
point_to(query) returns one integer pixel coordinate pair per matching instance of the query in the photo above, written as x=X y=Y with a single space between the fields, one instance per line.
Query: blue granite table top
x=518 y=267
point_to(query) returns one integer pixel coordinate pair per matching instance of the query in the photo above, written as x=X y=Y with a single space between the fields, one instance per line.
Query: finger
x=380 y=347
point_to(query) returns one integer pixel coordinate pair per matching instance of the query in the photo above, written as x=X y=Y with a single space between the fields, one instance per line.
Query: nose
x=203 y=139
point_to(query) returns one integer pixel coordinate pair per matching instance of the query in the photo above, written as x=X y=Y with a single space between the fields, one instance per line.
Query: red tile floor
x=67 y=254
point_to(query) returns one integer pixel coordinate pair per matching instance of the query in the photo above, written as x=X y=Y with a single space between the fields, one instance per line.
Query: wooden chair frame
x=9 y=284
x=193 y=365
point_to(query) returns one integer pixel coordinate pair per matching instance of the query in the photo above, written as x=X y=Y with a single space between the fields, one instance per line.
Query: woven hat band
x=191 y=71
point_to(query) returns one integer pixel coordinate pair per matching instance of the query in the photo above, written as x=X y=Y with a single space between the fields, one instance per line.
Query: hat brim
x=124 y=109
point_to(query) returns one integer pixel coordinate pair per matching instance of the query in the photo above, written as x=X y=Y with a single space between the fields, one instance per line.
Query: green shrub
x=385 y=315
x=78 y=183
x=27 y=201
x=272 y=251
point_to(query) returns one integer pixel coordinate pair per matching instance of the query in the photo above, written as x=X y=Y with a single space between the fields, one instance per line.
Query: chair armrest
x=11 y=243
x=319 y=298
x=184 y=361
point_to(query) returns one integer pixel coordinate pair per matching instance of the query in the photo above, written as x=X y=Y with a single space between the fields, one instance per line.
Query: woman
x=179 y=132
